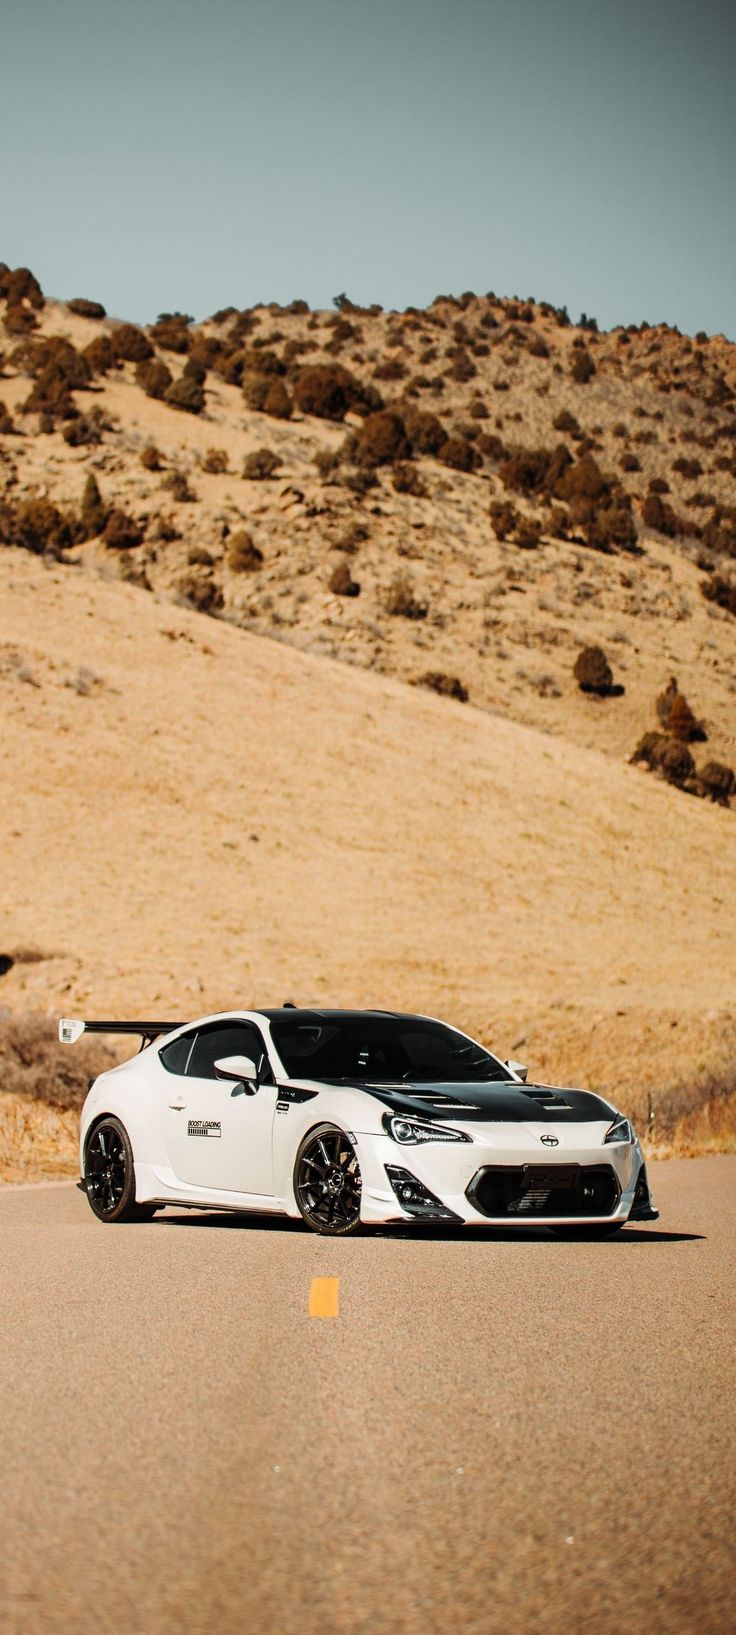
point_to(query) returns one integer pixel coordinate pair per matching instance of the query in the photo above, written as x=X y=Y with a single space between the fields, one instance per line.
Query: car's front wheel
x=327 y=1182
x=109 y=1175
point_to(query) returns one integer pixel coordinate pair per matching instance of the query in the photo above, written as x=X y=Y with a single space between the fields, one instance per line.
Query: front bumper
x=509 y=1180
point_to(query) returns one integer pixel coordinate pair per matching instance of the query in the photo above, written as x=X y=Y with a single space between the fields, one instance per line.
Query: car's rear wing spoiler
x=70 y=1030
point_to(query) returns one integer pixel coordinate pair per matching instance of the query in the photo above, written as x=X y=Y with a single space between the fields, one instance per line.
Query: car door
x=216 y=1133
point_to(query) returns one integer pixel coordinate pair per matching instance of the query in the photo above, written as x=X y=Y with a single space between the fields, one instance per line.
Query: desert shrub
x=178 y=485
x=490 y=446
x=687 y=468
x=172 y=334
x=130 y=344
x=151 y=459
x=565 y=421
x=353 y=538
x=650 y=749
x=20 y=285
x=527 y=533
x=630 y=462
x=721 y=590
x=154 y=377
x=328 y=390
x=390 y=369
x=504 y=518
x=92 y=511
x=199 y=557
x=681 y=723
x=537 y=347
x=656 y=514
x=406 y=479
x=54 y=359
x=719 y=533
x=582 y=367
x=200 y=589
x=327 y=461
x=20 y=320
x=39 y=526
x=256 y=389
x=361 y=480
x=100 y=355
x=262 y=360
x=716 y=782
x=261 y=464
x=581 y=480
x=214 y=461
x=676 y=764
x=462 y=368
x=620 y=429
x=477 y=409
x=186 y=393
x=659 y=485
x=243 y=555
x=612 y=524
x=526 y=471
x=7 y=424
x=51 y=396
x=592 y=671
x=86 y=429
x=86 y=309
x=401 y=602
x=121 y=531
x=425 y=431
x=342 y=582
x=380 y=440
x=230 y=367
x=458 y=453
x=447 y=686
x=277 y=402
x=194 y=369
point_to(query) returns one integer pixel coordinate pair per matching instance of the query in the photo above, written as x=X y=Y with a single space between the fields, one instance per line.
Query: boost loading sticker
x=205 y=1126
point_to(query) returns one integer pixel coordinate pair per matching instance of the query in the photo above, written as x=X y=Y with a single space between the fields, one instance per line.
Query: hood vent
x=546 y=1099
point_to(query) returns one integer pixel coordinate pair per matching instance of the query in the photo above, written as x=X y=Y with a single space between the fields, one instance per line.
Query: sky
x=167 y=155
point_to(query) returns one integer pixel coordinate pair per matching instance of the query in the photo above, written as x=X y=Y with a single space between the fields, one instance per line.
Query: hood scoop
x=546 y=1099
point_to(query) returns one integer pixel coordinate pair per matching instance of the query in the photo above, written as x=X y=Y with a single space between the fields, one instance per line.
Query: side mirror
x=519 y=1069
x=240 y=1068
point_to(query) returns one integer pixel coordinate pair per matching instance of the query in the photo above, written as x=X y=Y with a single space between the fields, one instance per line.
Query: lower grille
x=521 y=1191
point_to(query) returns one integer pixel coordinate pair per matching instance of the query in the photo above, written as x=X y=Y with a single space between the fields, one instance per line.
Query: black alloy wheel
x=109 y=1175
x=327 y=1182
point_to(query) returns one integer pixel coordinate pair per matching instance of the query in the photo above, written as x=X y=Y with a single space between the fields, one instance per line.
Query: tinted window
x=226 y=1039
x=175 y=1055
x=370 y=1048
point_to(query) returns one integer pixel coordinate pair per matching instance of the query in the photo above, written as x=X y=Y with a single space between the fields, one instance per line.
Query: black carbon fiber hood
x=494 y=1103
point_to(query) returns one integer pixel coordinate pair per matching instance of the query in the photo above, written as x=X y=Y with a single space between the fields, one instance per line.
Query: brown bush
x=179 y=487
x=92 y=511
x=154 y=377
x=86 y=309
x=405 y=479
x=172 y=334
x=261 y=464
x=199 y=557
x=630 y=462
x=100 y=355
x=650 y=749
x=716 y=782
x=565 y=421
x=613 y=525
x=446 y=686
x=327 y=390
x=680 y=722
x=380 y=440
x=656 y=514
x=721 y=590
x=256 y=389
x=425 y=432
x=214 y=461
x=186 y=393
x=537 y=347
x=39 y=526
x=54 y=359
x=687 y=468
x=151 y=458
x=504 y=518
x=390 y=369
x=658 y=485
x=130 y=344
x=676 y=764
x=86 y=430
x=527 y=533
x=353 y=538
x=201 y=590
x=593 y=672
x=463 y=368
x=342 y=582
x=491 y=447
x=35 y=1066
x=401 y=602
x=121 y=531
x=20 y=320
x=243 y=555
x=582 y=367
x=262 y=360
x=581 y=480
x=459 y=454
x=277 y=402
x=7 y=423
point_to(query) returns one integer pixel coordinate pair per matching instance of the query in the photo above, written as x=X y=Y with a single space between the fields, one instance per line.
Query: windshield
x=368 y=1048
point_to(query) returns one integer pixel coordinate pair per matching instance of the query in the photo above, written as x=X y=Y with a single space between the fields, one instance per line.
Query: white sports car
x=345 y=1117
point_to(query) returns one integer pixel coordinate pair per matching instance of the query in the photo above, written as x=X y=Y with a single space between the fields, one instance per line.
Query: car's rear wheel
x=327 y=1182
x=109 y=1175
x=597 y=1230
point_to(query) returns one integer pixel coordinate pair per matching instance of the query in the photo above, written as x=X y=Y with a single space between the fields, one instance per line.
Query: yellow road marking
x=324 y=1297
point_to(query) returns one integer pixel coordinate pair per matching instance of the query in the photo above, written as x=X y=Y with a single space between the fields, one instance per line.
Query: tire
x=327 y=1182
x=109 y=1175
x=580 y=1231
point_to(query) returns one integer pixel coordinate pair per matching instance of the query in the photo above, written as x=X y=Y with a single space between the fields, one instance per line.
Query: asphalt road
x=498 y=1435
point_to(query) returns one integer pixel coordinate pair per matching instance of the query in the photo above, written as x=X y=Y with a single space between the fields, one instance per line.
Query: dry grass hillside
x=195 y=817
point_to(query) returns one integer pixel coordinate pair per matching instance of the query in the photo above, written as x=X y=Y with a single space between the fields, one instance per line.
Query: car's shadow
x=238 y=1221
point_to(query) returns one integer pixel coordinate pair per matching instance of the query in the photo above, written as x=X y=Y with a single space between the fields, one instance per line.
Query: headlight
x=410 y=1132
x=621 y=1130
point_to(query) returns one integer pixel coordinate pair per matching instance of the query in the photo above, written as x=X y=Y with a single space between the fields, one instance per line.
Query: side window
x=227 y=1039
x=176 y=1055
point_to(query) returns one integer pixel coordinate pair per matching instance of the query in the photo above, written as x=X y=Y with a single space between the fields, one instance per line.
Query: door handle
x=177 y=1105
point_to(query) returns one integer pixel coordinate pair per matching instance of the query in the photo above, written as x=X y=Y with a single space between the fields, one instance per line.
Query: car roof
x=294 y=1013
